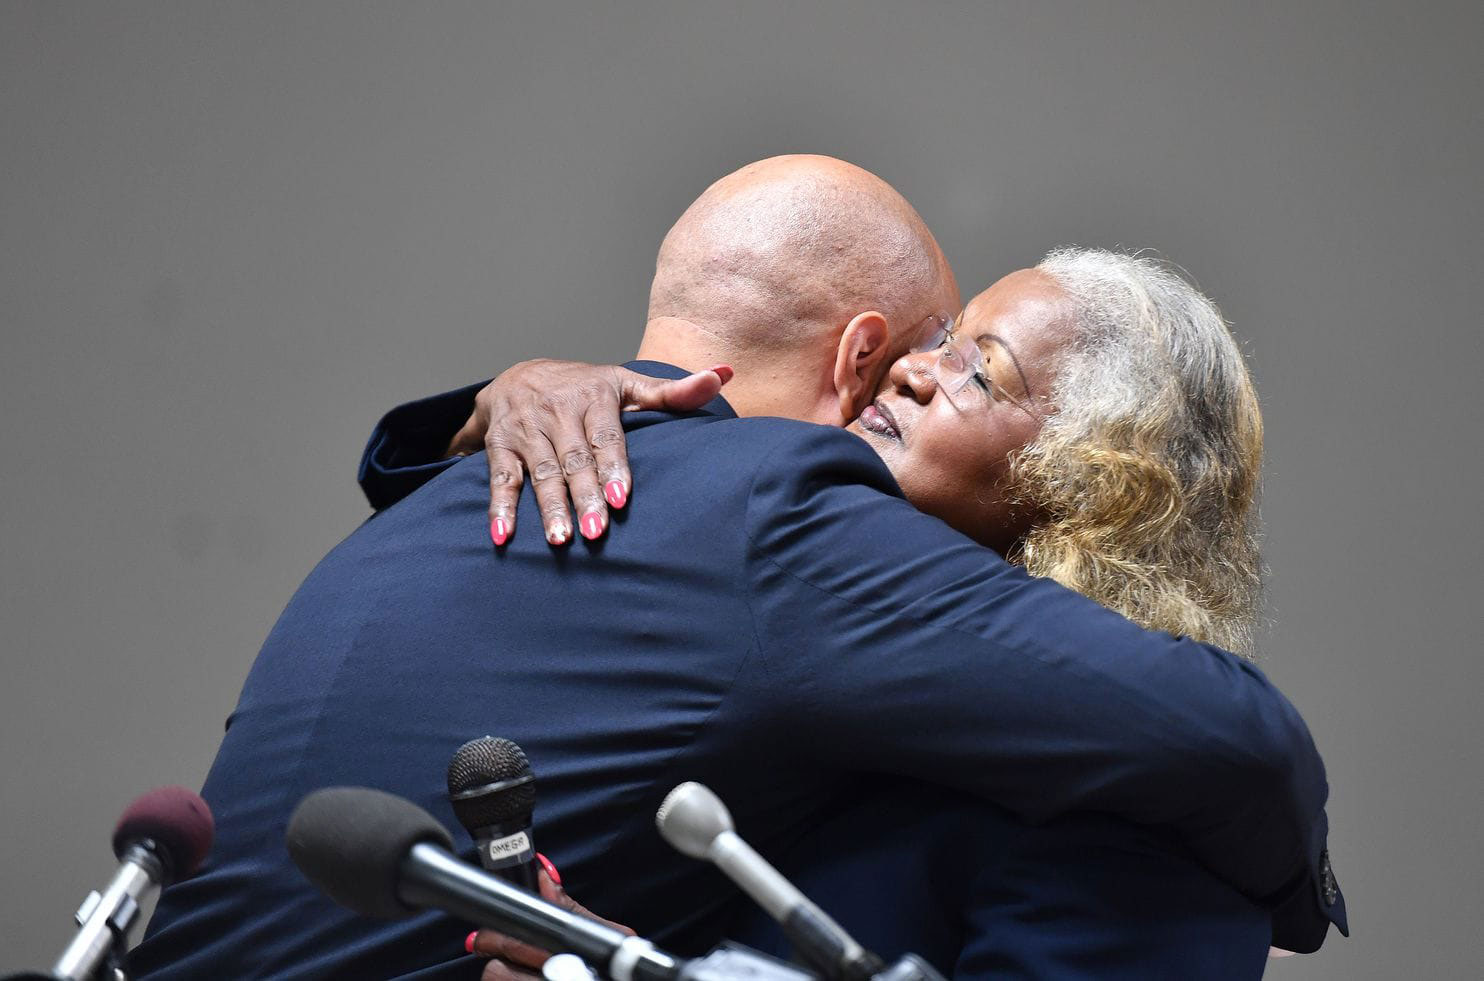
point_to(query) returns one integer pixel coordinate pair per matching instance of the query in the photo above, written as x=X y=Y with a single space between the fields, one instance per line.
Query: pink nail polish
x=550 y=869
x=615 y=494
x=499 y=531
x=592 y=526
x=722 y=371
x=469 y=942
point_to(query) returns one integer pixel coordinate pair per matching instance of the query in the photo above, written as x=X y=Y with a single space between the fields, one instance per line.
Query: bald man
x=749 y=630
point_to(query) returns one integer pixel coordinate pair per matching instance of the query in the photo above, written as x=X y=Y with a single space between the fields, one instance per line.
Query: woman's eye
x=984 y=383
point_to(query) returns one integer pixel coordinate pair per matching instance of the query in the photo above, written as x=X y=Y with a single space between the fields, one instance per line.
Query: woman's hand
x=516 y=961
x=559 y=422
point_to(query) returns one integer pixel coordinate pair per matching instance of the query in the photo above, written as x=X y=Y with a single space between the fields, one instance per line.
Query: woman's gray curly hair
x=1146 y=476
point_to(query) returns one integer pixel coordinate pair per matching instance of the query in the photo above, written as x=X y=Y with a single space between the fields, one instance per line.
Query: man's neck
x=761 y=387
x=684 y=344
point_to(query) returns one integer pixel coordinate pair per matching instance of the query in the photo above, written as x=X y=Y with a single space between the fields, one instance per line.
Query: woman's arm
x=558 y=421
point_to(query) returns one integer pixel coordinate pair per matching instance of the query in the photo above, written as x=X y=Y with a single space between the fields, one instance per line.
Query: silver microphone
x=697 y=823
x=162 y=837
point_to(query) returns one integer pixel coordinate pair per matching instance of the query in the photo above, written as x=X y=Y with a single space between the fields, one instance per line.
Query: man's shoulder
x=763 y=446
x=760 y=431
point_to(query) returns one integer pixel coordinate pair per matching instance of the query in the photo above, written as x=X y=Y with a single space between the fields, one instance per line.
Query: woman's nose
x=916 y=374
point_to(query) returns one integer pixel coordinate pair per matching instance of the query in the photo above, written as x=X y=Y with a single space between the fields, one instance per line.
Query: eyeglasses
x=959 y=361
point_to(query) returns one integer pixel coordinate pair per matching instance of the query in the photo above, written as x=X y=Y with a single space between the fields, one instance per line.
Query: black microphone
x=493 y=793
x=697 y=823
x=381 y=855
x=162 y=837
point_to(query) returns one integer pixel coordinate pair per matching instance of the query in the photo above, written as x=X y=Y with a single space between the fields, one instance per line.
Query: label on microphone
x=509 y=850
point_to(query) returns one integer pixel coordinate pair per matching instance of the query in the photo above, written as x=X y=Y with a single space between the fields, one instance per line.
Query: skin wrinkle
x=1009 y=353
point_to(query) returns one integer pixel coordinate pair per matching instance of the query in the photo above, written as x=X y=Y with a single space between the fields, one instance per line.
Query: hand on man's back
x=559 y=422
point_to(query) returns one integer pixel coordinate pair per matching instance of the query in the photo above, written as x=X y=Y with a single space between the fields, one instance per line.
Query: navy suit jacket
x=912 y=868
x=768 y=616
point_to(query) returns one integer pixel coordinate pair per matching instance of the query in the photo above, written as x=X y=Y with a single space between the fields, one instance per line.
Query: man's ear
x=859 y=361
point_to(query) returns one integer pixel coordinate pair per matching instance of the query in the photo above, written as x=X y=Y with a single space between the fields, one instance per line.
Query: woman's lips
x=877 y=418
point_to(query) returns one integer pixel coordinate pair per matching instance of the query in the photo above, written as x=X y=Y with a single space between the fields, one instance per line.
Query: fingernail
x=499 y=531
x=469 y=942
x=558 y=535
x=722 y=371
x=550 y=869
x=592 y=525
x=615 y=494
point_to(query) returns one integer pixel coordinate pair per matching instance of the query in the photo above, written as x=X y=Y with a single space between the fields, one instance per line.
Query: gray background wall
x=230 y=236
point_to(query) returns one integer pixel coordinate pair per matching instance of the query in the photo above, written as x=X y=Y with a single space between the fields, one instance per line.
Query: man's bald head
x=778 y=253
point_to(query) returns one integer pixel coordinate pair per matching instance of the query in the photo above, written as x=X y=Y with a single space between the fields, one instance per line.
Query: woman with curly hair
x=1092 y=419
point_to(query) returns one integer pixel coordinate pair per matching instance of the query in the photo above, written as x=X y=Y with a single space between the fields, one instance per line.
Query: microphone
x=380 y=855
x=697 y=823
x=493 y=793
x=162 y=837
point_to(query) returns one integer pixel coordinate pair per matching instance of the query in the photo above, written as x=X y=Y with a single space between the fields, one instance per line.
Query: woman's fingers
x=506 y=478
x=492 y=943
x=610 y=452
x=557 y=425
x=490 y=427
x=550 y=440
x=581 y=480
x=636 y=391
x=536 y=413
x=498 y=970
x=469 y=438
x=518 y=955
x=549 y=482
x=553 y=892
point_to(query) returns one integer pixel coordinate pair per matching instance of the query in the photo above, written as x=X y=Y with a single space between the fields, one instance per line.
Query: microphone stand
x=96 y=952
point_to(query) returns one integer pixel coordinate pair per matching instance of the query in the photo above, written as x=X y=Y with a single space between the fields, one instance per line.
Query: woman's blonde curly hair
x=1146 y=476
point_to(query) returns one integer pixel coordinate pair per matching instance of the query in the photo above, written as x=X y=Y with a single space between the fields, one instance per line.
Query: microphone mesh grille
x=484 y=761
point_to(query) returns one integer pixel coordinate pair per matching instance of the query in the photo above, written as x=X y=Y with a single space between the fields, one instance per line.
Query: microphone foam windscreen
x=488 y=762
x=179 y=823
x=350 y=842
